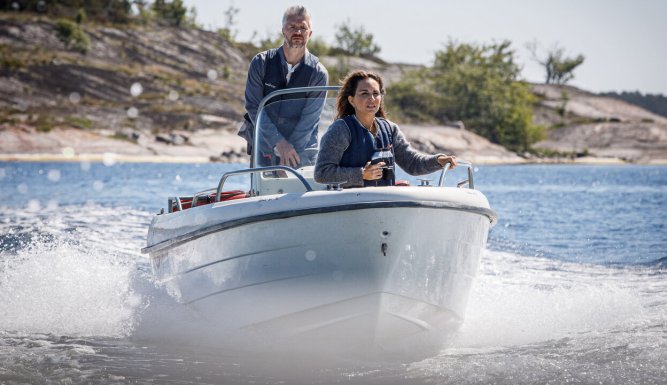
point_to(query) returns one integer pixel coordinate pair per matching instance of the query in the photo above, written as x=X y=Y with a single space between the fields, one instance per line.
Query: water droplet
x=132 y=113
x=337 y=275
x=22 y=188
x=33 y=205
x=173 y=95
x=311 y=255
x=98 y=185
x=212 y=75
x=68 y=152
x=74 y=98
x=109 y=159
x=15 y=5
x=177 y=178
x=136 y=89
x=52 y=204
x=53 y=175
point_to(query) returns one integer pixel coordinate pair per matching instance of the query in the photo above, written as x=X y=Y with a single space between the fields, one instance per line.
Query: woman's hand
x=444 y=159
x=373 y=171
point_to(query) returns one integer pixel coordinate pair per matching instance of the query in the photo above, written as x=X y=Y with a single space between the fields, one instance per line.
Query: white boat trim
x=178 y=240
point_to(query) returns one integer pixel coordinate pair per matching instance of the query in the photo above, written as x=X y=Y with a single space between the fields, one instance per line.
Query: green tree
x=318 y=47
x=478 y=85
x=73 y=35
x=228 y=31
x=271 y=40
x=172 y=12
x=355 y=41
x=80 y=16
x=559 y=69
x=414 y=99
x=97 y=10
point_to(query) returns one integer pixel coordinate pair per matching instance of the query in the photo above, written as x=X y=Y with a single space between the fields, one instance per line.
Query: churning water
x=572 y=288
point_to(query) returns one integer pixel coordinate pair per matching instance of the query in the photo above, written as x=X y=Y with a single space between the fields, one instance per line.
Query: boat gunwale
x=289 y=213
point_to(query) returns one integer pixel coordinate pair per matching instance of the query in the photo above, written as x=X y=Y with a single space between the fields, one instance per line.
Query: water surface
x=571 y=289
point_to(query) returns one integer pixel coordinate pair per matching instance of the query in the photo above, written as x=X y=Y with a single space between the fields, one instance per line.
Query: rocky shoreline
x=160 y=94
x=20 y=143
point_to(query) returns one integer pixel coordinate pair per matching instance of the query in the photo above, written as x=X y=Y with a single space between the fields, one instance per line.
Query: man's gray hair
x=296 y=10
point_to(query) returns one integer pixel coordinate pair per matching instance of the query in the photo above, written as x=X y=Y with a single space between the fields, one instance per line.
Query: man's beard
x=295 y=45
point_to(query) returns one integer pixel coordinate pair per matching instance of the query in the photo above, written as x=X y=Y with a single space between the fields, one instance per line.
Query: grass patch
x=43 y=123
x=79 y=122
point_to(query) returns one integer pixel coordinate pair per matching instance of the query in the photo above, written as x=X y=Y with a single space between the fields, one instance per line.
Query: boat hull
x=360 y=274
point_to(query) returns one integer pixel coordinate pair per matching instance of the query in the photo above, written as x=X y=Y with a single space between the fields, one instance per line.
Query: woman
x=360 y=130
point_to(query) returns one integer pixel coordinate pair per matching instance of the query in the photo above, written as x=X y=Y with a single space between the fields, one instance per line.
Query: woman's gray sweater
x=337 y=139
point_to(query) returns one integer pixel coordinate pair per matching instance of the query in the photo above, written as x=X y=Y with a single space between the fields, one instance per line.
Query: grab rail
x=201 y=194
x=469 y=181
x=260 y=169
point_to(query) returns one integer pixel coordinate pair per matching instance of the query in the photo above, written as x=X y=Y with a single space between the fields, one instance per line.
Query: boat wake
x=74 y=285
x=520 y=300
x=68 y=272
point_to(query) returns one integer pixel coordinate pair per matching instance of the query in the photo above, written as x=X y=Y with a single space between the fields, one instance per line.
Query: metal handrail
x=174 y=200
x=469 y=181
x=303 y=180
x=200 y=194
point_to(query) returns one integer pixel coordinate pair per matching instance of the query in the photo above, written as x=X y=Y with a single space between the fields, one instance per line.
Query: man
x=288 y=129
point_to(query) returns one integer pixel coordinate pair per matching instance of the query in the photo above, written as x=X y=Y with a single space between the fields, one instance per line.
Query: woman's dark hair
x=349 y=87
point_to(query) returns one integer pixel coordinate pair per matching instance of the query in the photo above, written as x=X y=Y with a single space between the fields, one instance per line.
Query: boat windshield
x=299 y=116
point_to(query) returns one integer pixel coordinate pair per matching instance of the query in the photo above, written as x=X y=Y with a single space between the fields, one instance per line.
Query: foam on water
x=69 y=271
x=538 y=321
x=521 y=300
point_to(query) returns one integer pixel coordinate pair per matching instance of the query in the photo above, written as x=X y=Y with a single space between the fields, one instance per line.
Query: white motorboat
x=293 y=263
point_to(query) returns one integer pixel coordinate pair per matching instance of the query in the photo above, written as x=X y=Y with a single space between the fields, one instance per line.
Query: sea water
x=572 y=288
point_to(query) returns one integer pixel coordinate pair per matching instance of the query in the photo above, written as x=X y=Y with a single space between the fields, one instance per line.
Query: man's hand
x=287 y=153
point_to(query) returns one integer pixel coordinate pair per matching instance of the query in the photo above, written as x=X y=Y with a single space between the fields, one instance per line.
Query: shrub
x=318 y=47
x=475 y=84
x=355 y=41
x=73 y=35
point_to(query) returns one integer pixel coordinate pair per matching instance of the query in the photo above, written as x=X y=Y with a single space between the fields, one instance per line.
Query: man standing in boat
x=289 y=136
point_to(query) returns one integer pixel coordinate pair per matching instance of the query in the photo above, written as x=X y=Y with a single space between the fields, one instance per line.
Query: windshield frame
x=254 y=157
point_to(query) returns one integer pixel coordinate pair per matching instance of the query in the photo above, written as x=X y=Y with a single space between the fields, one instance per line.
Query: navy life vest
x=363 y=145
x=286 y=115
